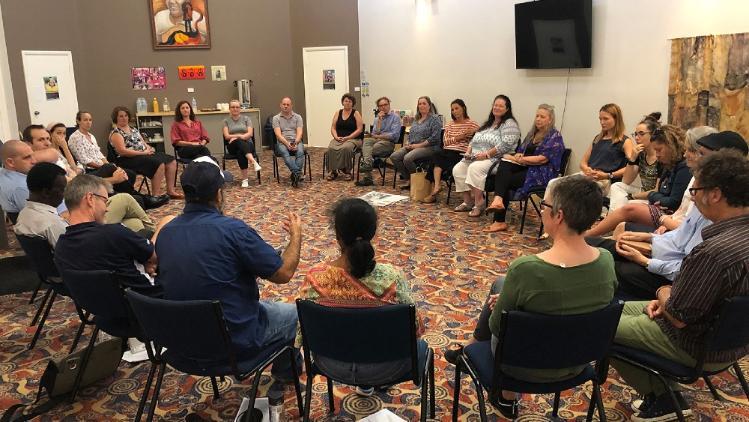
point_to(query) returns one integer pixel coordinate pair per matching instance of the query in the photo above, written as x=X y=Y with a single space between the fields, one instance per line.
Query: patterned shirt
x=458 y=135
x=715 y=270
x=85 y=149
x=428 y=130
x=505 y=138
x=133 y=140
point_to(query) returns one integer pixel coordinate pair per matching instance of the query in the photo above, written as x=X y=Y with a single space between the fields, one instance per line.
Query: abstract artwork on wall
x=709 y=82
x=179 y=24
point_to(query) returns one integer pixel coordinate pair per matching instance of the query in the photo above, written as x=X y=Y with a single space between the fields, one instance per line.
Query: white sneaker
x=257 y=166
x=275 y=413
x=245 y=183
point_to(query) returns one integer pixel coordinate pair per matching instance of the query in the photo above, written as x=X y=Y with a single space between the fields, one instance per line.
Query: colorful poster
x=178 y=24
x=51 y=89
x=328 y=79
x=145 y=78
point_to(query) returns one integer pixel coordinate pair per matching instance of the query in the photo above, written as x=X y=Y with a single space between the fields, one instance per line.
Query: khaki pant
x=638 y=331
x=123 y=208
x=341 y=154
x=371 y=148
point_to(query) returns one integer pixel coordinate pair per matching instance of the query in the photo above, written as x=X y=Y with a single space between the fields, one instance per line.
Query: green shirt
x=533 y=285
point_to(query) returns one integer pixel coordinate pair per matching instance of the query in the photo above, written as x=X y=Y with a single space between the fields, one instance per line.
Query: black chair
x=41 y=257
x=380 y=163
x=268 y=133
x=353 y=157
x=197 y=342
x=12 y=216
x=525 y=341
x=112 y=158
x=100 y=293
x=729 y=330
x=365 y=335
x=228 y=156
x=180 y=161
x=538 y=191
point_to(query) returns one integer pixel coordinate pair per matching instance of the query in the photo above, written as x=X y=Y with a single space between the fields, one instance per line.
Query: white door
x=50 y=86
x=325 y=81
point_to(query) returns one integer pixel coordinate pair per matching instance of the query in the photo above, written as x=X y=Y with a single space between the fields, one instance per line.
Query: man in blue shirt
x=18 y=159
x=381 y=142
x=204 y=254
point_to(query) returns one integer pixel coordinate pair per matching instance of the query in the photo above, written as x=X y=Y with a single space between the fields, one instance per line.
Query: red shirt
x=182 y=132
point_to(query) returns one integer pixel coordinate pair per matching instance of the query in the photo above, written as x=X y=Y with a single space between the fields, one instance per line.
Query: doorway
x=325 y=82
x=50 y=86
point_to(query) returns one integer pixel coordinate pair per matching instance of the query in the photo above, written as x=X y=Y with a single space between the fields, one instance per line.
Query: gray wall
x=259 y=40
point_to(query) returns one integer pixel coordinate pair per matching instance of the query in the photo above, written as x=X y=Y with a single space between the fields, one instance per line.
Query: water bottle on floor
x=275 y=400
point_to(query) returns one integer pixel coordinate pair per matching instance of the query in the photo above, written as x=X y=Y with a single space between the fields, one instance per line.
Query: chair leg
x=432 y=406
x=742 y=380
x=216 y=393
x=79 y=333
x=146 y=391
x=39 y=327
x=331 y=396
x=83 y=363
x=253 y=394
x=480 y=395
x=456 y=391
x=36 y=291
x=42 y=306
x=295 y=374
x=309 y=163
x=522 y=219
x=555 y=409
x=424 y=395
x=712 y=389
x=156 y=390
x=674 y=401
x=308 y=395
x=599 y=402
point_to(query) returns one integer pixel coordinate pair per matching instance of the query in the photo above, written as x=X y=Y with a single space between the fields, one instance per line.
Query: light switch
x=190 y=90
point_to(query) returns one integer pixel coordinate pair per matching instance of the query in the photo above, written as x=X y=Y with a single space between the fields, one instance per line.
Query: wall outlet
x=190 y=90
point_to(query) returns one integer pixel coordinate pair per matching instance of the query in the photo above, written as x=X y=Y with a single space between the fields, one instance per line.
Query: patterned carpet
x=451 y=264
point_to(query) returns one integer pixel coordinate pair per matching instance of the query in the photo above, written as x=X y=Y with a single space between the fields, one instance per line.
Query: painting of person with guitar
x=180 y=24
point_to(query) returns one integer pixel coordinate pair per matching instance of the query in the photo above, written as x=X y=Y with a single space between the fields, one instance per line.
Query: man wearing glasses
x=675 y=324
x=381 y=142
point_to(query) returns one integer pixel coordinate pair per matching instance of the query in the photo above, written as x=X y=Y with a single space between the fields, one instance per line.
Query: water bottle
x=194 y=105
x=140 y=105
x=165 y=104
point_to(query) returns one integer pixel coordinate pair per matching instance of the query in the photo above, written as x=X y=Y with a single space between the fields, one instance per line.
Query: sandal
x=476 y=211
x=495 y=208
x=463 y=207
x=332 y=176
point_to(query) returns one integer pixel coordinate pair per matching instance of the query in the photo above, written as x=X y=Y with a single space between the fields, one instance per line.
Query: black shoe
x=508 y=408
x=661 y=409
x=364 y=182
x=405 y=187
x=453 y=354
x=294 y=180
x=151 y=202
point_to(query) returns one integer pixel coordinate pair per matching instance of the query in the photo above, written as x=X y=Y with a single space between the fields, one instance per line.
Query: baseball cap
x=725 y=139
x=203 y=178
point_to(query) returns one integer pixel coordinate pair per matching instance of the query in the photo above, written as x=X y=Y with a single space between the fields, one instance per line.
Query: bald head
x=18 y=156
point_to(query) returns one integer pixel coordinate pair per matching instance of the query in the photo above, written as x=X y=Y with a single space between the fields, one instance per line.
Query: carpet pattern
x=451 y=265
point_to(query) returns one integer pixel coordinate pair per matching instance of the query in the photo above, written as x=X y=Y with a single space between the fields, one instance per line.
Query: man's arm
x=663 y=294
x=391 y=129
x=290 y=256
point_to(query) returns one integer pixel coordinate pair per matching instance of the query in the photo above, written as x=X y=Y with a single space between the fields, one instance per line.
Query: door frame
x=8 y=118
x=306 y=50
x=29 y=53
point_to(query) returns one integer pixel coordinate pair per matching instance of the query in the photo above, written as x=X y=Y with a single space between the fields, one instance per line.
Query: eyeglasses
x=693 y=191
x=382 y=105
x=105 y=198
x=640 y=133
x=545 y=204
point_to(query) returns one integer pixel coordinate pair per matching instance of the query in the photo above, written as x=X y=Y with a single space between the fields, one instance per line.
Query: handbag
x=59 y=376
x=420 y=186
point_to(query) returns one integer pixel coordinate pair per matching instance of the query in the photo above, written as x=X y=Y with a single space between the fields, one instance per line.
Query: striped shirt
x=457 y=135
x=715 y=270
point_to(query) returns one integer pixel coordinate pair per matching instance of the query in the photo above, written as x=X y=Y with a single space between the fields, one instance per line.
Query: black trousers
x=635 y=281
x=509 y=176
x=482 y=332
x=240 y=148
x=192 y=152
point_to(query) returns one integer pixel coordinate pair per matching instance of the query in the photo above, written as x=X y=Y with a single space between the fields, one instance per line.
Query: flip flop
x=476 y=212
x=331 y=176
x=492 y=208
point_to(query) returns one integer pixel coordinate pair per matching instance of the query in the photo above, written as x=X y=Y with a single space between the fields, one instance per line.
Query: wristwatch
x=611 y=176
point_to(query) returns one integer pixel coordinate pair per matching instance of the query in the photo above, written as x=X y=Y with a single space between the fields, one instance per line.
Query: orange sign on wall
x=191 y=72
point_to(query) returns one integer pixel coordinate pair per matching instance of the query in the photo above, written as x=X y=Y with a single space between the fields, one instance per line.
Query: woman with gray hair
x=536 y=161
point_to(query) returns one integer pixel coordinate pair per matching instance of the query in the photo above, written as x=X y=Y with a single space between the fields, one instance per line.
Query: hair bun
x=656 y=116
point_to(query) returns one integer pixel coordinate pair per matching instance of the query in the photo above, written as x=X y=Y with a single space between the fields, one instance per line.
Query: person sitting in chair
x=238 y=133
x=288 y=127
x=39 y=218
x=381 y=142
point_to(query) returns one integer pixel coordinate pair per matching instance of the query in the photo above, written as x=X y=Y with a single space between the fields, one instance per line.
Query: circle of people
x=678 y=214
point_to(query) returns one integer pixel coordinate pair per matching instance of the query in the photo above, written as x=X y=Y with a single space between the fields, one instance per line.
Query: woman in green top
x=569 y=278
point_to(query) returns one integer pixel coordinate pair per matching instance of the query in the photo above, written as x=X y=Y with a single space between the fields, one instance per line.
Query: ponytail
x=355 y=222
x=360 y=256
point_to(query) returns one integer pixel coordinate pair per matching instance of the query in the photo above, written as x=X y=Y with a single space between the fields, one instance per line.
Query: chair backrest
x=194 y=329
x=40 y=254
x=13 y=216
x=111 y=153
x=731 y=328
x=268 y=132
x=402 y=136
x=97 y=291
x=363 y=335
x=361 y=135
x=527 y=338
x=565 y=161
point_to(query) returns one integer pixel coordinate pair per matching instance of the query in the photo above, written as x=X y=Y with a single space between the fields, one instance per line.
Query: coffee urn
x=243 y=92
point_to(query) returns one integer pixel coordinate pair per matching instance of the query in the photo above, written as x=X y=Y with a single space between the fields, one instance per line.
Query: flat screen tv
x=553 y=34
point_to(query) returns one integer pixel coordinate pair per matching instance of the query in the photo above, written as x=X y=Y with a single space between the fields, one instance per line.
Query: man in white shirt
x=39 y=218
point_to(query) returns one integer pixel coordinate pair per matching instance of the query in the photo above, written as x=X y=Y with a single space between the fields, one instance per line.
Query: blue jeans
x=282 y=323
x=295 y=164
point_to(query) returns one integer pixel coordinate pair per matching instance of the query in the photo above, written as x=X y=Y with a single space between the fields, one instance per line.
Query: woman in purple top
x=537 y=160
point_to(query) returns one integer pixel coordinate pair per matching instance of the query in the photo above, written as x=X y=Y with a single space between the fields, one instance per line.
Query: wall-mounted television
x=553 y=34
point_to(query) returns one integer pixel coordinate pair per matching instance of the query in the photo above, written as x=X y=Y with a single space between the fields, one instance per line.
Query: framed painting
x=179 y=24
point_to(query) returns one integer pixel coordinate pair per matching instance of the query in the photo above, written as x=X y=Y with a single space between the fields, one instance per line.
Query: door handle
x=36 y=113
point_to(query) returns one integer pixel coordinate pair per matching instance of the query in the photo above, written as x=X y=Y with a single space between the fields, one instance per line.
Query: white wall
x=8 y=122
x=466 y=49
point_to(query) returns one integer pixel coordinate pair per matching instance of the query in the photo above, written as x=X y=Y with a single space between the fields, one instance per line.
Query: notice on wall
x=218 y=73
x=328 y=79
x=145 y=78
x=51 y=89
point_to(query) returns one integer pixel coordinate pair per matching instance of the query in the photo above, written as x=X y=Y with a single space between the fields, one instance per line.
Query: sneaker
x=364 y=182
x=274 y=413
x=245 y=183
x=508 y=408
x=661 y=409
x=257 y=166
x=365 y=392
x=641 y=404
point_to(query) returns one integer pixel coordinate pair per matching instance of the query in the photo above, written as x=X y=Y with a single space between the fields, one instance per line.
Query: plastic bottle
x=194 y=104
x=139 y=105
x=155 y=105
x=165 y=104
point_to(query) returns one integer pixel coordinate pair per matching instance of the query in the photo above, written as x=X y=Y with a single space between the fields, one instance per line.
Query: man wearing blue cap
x=204 y=254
